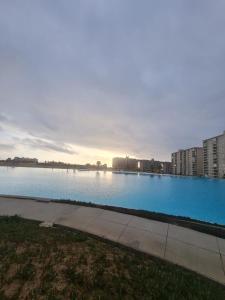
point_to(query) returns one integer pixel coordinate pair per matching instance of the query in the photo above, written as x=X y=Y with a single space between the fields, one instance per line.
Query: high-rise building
x=188 y=162
x=132 y=164
x=152 y=165
x=166 y=167
x=178 y=162
x=194 y=161
x=214 y=156
x=120 y=163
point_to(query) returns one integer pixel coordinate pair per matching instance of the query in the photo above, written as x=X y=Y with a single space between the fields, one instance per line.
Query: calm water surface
x=198 y=198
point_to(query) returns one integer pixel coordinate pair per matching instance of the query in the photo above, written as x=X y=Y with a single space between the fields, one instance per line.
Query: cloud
x=3 y=118
x=45 y=145
x=137 y=78
x=6 y=147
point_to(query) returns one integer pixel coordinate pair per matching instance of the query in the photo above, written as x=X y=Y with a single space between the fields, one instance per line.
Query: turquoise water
x=198 y=198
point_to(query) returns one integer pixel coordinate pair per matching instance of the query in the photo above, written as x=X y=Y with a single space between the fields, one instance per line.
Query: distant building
x=188 y=162
x=178 y=162
x=22 y=160
x=149 y=166
x=104 y=166
x=98 y=164
x=166 y=167
x=214 y=156
x=132 y=164
x=120 y=163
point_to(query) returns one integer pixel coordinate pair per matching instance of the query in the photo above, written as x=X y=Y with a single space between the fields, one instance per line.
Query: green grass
x=56 y=263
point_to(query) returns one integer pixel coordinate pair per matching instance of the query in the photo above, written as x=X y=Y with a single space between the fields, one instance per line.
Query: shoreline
x=214 y=229
x=119 y=172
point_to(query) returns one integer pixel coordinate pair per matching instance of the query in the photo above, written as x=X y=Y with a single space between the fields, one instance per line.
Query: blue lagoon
x=197 y=198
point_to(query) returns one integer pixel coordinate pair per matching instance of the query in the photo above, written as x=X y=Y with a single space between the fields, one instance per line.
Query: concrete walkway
x=197 y=251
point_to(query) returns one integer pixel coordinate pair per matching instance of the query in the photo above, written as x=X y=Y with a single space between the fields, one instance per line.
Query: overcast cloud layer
x=89 y=79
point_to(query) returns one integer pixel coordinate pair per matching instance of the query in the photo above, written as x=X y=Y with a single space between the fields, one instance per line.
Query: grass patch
x=56 y=263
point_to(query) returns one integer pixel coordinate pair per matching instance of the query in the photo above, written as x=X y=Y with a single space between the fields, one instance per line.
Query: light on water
x=198 y=198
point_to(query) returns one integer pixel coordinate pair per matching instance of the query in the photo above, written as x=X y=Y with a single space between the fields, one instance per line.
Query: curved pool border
x=215 y=229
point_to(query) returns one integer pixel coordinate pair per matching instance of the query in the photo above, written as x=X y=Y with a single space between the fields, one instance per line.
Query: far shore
x=54 y=166
x=93 y=168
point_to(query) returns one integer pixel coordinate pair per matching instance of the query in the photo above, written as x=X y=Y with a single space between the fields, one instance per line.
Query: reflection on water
x=194 y=197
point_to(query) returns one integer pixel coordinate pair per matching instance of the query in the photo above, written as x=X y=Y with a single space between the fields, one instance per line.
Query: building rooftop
x=214 y=137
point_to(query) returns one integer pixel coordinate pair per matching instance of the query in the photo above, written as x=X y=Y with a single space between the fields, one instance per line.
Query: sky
x=88 y=80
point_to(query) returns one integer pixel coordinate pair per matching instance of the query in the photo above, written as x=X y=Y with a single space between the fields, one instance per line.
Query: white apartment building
x=188 y=162
x=214 y=156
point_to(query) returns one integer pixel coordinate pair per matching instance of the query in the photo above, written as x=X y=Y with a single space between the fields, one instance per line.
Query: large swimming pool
x=198 y=198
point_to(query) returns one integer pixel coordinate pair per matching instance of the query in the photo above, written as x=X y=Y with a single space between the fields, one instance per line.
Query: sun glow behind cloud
x=82 y=81
x=18 y=142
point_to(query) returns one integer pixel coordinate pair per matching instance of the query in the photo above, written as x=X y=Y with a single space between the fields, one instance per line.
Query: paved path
x=197 y=251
